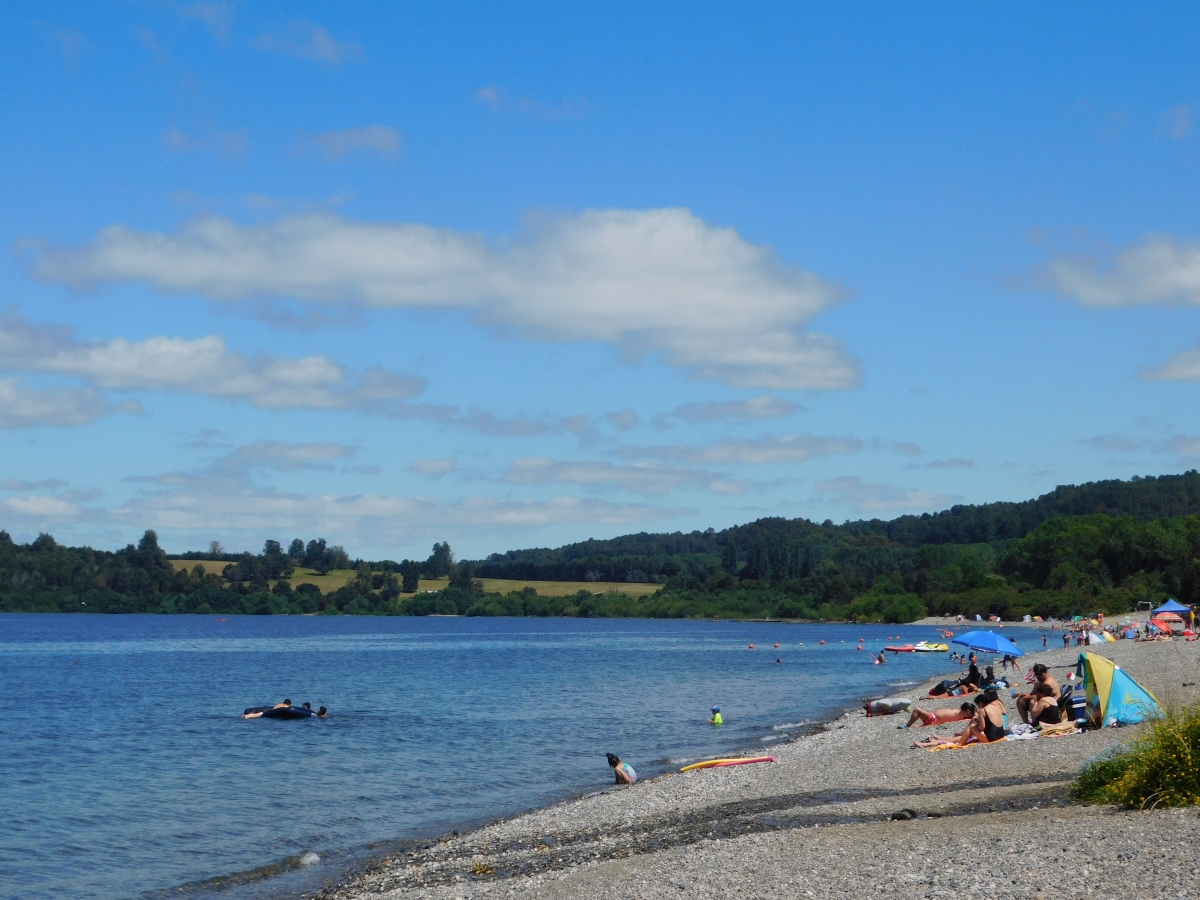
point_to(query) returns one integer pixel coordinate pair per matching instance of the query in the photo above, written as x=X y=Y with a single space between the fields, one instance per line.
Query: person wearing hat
x=623 y=770
x=716 y=716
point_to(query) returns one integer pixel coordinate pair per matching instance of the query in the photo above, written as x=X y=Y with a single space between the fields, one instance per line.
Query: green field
x=338 y=578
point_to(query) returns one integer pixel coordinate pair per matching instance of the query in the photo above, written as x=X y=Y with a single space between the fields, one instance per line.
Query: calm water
x=126 y=771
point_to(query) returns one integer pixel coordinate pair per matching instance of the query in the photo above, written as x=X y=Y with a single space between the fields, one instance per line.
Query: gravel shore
x=850 y=810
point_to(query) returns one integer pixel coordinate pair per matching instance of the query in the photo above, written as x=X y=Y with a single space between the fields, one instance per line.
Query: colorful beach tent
x=1120 y=699
x=988 y=642
x=1171 y=606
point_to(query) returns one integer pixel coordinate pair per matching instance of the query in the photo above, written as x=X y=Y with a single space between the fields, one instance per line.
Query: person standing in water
x=622 y=770
x=716 y=716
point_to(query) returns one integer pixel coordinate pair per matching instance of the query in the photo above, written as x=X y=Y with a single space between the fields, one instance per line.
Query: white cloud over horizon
x=24 y=406
x=873 y=498
x=200 y=366
x=661 y=282
x=306 y=40
x=1161 y=268
x=640 y=478
x=766 y=450
x=381 y=140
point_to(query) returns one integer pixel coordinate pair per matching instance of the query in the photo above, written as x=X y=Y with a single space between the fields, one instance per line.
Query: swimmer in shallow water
x=323 y=713
x=623 y=771
x=716 y=717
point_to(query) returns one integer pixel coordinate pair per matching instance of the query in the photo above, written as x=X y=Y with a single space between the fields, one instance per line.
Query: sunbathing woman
x=940 y=716
x=987 y=725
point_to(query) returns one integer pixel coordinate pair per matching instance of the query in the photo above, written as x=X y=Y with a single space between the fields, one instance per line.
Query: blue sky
x=522 y=275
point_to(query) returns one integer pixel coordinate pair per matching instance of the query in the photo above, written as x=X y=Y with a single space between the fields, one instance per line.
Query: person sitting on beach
x=716 y=717
x=322 y=713
x=1044 y=708
x=1042 y=675
x=940 y=716
x=973 y=673
x=622 y=770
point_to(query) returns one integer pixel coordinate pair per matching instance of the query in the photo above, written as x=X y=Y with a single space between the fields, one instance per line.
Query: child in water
x=716 y=717
x=622 y=770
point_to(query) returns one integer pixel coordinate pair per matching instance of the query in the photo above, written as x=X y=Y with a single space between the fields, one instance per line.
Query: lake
x=127 y=771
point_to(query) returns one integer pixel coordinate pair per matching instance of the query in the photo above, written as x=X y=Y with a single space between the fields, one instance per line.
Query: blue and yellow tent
x=1119 y=699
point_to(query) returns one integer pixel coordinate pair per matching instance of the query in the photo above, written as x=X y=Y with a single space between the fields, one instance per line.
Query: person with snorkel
x=716 y=717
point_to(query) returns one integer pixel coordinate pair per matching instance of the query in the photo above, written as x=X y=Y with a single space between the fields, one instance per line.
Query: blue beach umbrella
x=1172 y=606
x=989 y=642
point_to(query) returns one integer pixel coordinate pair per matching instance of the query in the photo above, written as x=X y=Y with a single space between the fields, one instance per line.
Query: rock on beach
x=993 y=821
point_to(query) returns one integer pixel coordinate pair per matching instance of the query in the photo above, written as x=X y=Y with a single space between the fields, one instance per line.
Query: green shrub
x=1162 y=768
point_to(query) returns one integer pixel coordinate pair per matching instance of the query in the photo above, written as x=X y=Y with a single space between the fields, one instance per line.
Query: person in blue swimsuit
x=623 y=771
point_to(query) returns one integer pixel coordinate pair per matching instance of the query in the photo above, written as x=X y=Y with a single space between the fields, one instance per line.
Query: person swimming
x=716 y=717
x=323 y=713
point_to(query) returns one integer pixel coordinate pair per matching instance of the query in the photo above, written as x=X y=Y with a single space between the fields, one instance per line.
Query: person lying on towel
x=941 y=716
x=986 y=726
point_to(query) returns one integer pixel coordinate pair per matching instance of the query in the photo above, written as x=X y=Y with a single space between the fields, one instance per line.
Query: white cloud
x=41 y=507
x=229 y=144
x=499 y=101
x=18 y=484
x=1184 y=366
x=624 y=419
x=216 y=17
x=1160 y=269
x=305 y=40
x=1186 y=444
x=750 y=409
x=200 y=366
x=1176 y=122
x=381 y=139
x=73 y=45
x=658 y=282
x=904 y=448
x=284 y=457
x=870 y=498
x=22 y=406
x=434 y=468
x=367 y=517
x=952 y=463
x=1115 y=442
x=640 y=478
x=792 y=448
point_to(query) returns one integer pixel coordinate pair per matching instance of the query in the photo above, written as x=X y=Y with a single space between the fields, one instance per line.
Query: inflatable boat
x=281 y=712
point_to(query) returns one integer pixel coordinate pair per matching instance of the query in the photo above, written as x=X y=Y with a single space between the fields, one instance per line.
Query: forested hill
x=795 y=542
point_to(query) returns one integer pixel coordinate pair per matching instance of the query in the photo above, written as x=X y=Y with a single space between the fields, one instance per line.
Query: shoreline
x=688 y=832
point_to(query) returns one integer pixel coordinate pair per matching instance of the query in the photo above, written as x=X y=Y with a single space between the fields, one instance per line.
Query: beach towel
x=960 y=746
x=1059 y=730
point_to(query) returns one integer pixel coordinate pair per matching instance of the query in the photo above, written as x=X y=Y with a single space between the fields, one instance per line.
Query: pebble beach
x=851 y=809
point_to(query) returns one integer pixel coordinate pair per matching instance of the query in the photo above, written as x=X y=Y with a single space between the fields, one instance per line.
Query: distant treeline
x=1103 y=546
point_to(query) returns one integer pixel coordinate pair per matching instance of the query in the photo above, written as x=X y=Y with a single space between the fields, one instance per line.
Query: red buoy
x=751 y=646
x=776 y=646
